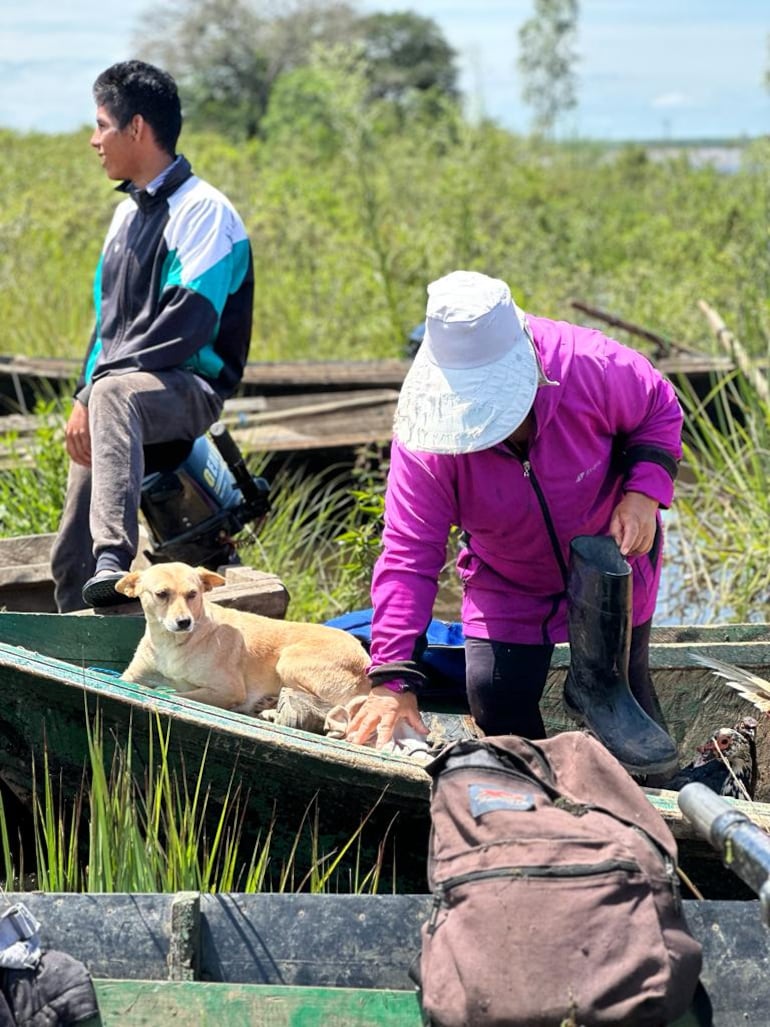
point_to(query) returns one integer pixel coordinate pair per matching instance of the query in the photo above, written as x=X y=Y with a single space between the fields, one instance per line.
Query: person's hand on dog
x=380 y=715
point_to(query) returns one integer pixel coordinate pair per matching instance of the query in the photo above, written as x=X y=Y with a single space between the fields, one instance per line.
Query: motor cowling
x=194 y=510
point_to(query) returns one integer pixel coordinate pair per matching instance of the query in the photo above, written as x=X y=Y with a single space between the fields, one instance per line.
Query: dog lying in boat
x=230 y=658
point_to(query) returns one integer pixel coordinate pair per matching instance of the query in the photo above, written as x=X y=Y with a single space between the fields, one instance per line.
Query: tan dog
x=229 y=658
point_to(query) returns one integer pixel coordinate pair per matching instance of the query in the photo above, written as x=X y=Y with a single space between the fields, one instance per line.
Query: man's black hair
x=134 y=87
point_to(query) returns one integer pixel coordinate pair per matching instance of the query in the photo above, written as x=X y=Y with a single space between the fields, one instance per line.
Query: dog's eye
x=191 y=594
x=162 y=595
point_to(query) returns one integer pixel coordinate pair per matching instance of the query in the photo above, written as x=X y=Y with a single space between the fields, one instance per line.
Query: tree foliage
x=229 y=55
x=403 y=52
x=210 y=48
x=547 y=61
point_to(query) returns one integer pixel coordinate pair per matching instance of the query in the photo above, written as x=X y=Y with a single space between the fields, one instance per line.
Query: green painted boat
x=56 y=671
x=274 y=960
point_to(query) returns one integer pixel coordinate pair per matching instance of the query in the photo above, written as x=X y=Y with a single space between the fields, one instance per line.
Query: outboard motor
x=414 y=340
x=194 y=503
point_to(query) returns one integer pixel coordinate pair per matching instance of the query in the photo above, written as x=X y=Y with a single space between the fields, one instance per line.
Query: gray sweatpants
x=101 y=508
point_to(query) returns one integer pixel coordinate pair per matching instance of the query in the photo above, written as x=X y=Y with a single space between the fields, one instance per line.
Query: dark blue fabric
x=443 y=660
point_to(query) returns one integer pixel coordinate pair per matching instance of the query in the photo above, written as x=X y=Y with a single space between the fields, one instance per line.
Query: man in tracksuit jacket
x=525 y=433
x=173 y=296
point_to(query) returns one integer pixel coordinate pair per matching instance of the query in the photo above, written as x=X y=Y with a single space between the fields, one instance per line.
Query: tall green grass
x=123 y=831
x=722 y=512
x=305 y=536
x=349 y=226
x=33 y=473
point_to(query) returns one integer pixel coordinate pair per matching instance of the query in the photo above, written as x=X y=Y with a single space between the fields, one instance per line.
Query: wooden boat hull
x=56 y=671
x=21 y=378
x=270 y=959
x=46 y=704
x=326 y=410
x=339 y=422
x=26 y=585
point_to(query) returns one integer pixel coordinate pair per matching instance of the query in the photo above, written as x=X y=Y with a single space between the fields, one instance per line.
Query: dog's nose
x=183 y=623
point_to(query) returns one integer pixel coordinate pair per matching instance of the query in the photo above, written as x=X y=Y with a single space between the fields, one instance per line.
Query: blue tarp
x=443 y=660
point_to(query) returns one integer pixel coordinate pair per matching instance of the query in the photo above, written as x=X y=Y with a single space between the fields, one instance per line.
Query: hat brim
x=464 y=410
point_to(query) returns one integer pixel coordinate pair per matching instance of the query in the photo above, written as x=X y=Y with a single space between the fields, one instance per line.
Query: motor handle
x=743 y=846
x=254 y=490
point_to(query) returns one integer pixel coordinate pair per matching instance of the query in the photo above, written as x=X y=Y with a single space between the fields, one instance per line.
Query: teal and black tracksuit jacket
x=174 y=286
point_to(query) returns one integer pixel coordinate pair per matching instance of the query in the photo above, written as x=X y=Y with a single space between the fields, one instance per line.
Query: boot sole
x=100 y=591
x=668 y=767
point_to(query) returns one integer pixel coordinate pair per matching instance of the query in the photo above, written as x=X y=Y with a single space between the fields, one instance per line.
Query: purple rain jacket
x=608 y=423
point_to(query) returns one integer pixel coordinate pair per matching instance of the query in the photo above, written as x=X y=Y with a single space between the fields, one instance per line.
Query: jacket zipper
x=607 y=866
x=529 y=474
x=139 y=218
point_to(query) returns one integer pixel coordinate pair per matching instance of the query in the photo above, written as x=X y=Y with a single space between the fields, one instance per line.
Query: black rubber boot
x=597 y=691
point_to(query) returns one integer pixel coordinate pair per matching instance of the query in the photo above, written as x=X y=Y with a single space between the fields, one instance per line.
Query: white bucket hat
x=474 y=378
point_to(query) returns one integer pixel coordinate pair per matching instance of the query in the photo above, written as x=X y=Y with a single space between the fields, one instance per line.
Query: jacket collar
x=178 y=173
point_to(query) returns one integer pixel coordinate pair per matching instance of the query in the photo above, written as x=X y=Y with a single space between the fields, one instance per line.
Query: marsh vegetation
x=352 y=208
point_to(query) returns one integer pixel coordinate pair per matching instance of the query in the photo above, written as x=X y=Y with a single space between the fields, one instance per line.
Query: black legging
x=505 y=682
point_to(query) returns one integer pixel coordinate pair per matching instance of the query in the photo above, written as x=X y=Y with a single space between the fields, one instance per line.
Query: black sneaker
x=100 y=589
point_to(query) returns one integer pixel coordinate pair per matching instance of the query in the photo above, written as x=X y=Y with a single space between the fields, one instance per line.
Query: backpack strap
x=483 y=753
x=490 y=754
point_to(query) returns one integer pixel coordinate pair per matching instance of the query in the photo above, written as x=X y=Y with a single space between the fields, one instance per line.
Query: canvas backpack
x=556 y=896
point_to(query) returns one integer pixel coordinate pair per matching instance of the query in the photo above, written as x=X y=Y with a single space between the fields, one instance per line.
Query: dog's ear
x=129 y=584
x=209 y=579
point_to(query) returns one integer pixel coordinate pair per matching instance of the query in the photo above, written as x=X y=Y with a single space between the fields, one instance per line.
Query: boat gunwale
x=247 y=728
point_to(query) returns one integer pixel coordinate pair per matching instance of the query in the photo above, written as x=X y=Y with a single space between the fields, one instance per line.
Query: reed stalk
x=723 y=506
x=120 y=833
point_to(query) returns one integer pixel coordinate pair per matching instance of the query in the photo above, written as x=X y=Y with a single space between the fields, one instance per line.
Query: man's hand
x=77 y=435
x=633 y=524
x=380 y=714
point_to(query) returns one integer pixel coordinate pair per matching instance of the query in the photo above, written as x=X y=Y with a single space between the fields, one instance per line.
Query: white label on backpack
x=484 y=799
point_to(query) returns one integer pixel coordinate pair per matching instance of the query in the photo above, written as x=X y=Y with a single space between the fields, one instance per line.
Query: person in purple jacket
x=529 y=435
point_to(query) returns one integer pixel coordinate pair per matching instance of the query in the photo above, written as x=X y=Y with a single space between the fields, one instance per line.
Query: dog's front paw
x=263 y=707
x=299 y=710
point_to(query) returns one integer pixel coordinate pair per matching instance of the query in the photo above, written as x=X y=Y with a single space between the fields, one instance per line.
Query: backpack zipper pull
x=438 y=898
x=527 y=467
x=675 y=889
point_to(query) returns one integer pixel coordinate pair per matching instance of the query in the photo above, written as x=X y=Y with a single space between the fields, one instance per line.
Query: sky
x=647 y=69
